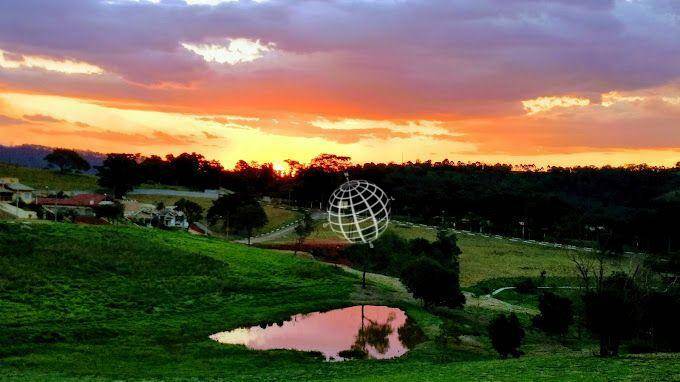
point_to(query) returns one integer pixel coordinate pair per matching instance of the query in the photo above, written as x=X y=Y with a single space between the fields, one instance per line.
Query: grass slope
x=485 y=257
x=41 y=178
x=113 y=302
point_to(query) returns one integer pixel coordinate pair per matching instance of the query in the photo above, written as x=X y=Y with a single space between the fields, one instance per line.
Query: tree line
x=635 y=205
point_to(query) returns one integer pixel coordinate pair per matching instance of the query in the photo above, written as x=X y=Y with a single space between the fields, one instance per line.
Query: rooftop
x=82 y=200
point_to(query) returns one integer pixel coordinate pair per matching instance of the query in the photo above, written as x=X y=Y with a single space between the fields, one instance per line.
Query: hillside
x=130 y=303
x=32 y=155
x=41 y=179
x=483 y=257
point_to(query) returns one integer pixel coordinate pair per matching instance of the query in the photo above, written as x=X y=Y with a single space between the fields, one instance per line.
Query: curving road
x=281 y=231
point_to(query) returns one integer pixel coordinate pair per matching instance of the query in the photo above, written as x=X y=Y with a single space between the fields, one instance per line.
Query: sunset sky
x=558 y=82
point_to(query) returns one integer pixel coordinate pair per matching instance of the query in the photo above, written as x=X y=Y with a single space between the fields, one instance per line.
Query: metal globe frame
x=359 y=211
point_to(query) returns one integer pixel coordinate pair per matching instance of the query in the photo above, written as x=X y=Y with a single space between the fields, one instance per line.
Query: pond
x=362 y=331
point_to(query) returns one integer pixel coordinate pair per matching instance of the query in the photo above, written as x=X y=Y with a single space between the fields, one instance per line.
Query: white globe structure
x=359 y=211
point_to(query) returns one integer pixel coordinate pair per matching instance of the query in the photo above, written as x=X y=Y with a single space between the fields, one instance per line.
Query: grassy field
x=485 y=257
x=53 y=180
x=116 y=303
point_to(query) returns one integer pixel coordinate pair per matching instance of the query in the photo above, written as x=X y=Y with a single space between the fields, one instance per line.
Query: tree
x=556 y=314
x=193 y=211
x=506 y=335
x=303 y=229
x=223 y=208
x=238 y=212
x=331 y=162
x=154 y=169
x=114 y=211
x=119 y=173
x=612 y=312
x=247 y=217
x=430 y=281
x=67 y=160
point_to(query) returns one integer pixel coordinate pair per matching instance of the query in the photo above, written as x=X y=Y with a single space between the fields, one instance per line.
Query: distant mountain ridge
x=32 y=156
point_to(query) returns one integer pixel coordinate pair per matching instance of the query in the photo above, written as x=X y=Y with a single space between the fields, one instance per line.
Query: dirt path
x=499 y=290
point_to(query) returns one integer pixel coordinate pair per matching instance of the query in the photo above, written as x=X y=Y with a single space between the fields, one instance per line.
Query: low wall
x=17 y=212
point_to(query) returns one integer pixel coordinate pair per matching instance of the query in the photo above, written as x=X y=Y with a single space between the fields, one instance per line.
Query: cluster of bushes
x=429 y=270
x=618 y=311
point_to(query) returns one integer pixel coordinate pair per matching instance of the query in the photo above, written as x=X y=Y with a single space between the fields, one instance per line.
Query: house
x=169 y=217
x=139 y=213
x=78 y=205
x=13 y=191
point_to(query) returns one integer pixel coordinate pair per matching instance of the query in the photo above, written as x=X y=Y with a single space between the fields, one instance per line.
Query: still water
x=367 y=331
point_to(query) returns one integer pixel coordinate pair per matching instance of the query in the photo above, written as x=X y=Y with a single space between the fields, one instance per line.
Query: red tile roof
x=83 y=200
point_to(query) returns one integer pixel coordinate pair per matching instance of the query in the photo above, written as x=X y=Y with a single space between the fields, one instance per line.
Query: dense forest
x=634 y=207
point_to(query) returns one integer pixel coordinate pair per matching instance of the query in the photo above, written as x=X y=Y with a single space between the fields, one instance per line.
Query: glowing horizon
x=515 y=83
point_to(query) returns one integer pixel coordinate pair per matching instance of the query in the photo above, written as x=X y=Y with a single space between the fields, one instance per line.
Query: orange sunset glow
x=549 y=83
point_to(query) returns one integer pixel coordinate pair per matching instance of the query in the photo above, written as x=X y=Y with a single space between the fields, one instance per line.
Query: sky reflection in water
x=380 y=332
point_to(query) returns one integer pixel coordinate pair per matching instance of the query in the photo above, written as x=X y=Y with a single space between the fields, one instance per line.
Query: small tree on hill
x=302 y=231
x=119 y=173
x=248 y=217
x=430 y=281
x=556 y=314
x=506 y=335
x=238 y=212
x=221 y=211
x=67 y=160
x=192 y=210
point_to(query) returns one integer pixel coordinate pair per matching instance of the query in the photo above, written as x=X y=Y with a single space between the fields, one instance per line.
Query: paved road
x=184 y=194
x=281 y=231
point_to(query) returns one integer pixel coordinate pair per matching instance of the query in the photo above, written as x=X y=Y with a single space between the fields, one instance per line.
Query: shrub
x=428 y=280
x=556 y=314
x=526 y=286
x=113 y=211
x=506 y=335
x=353 y=353
x=660 y=318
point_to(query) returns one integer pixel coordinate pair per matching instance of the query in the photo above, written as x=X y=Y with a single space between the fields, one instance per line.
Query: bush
x=388 y=255
x=428 y=280
x=660 y=319
x=556 y=314
x=526 y=286
x=506 y=335
x=113 y=211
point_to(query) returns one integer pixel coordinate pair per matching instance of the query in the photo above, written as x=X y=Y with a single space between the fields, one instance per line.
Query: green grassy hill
x=42 y=178
x=114 y=302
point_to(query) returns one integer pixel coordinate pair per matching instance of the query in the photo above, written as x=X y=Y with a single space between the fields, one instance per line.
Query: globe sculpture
x=359 y=211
